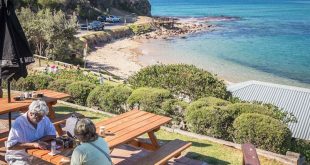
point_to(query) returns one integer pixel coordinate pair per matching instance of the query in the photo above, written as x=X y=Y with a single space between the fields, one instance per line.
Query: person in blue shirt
x=29 y=130
x=93 y=149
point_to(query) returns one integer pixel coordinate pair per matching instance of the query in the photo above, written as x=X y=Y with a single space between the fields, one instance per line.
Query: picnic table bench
x=164 y=153
x=125 y=129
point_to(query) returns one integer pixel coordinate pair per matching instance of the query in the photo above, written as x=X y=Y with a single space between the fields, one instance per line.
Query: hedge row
x=266 y=127
x=30 y=83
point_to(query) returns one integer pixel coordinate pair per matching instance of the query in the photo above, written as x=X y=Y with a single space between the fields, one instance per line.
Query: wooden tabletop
x=120 y=129
x=43 y=154
x=125 y=127
x=49 y=97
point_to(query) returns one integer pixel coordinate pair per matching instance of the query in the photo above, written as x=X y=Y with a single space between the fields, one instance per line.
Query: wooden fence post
x=250 y=156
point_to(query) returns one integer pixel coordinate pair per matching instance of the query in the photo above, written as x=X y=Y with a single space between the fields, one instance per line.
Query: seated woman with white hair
x=29 y=130
x=93 y=150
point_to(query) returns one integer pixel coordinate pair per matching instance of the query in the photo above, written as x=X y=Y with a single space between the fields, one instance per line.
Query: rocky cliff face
x=140 y=7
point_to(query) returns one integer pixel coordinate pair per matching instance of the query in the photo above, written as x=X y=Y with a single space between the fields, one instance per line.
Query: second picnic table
x=50 y=97
x=121 y=129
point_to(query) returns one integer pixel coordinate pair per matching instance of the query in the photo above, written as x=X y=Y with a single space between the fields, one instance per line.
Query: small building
x=291 y=99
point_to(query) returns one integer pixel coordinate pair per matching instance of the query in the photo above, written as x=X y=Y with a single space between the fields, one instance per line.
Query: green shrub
x=59 y=85
x=76 y=75
x=79 y=91
x=265 y=109
x=209 y=116
x=31 y=82
x=208 y=102
x=40 y=81
x=175 y=109
x=180 y=79
x=301 y=146
x=207 y=120
x=263 y=131
x=141 y=28
x=148 y=99
x=114 y=100
x=95 y=96
x=23 y=84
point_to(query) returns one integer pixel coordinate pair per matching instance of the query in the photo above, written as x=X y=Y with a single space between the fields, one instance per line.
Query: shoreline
x=121 y=57
x=124 y=57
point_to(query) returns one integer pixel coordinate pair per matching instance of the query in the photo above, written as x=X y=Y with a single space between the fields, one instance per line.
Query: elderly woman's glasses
x=37 y=115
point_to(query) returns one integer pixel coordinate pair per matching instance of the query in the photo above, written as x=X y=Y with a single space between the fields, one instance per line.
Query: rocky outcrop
x=140 y=7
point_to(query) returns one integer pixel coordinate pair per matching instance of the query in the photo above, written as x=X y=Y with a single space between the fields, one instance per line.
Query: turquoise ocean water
x=269 y=42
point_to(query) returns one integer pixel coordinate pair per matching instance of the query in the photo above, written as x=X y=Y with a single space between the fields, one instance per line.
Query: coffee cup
x=53 y=147
x=102 y=131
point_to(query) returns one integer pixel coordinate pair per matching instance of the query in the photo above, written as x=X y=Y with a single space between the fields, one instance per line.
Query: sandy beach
x=118 y=57
x=121 y=56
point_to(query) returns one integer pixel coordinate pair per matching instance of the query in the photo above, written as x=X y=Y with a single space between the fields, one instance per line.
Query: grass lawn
x=207 y=151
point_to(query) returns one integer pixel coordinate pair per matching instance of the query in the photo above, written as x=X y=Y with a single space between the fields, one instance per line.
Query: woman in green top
x=93 y=149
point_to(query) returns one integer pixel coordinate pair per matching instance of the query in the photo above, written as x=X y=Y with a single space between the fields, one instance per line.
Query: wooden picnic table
x=50 y=97
x=121 y=129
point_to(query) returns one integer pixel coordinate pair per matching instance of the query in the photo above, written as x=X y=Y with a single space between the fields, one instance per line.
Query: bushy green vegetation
x=209 y=116
x=262 y=131
x=265 y=109
x=149 y=99
x=49 y=32
x=76 y=75
x=115 y=100
x=301 y=146
x=180 y=79
x=31 y=83
x=95 y=96
x=141 y=28
x=208 y=120
x=79 y=91
x=227 y=119
x=215 y=117
x=60 y=85
x=175 y=109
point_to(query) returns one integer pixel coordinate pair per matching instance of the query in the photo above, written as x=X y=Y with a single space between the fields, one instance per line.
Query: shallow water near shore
x=270 y=42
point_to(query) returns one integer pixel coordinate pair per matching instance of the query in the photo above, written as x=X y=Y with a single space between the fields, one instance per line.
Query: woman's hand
x=65 y=161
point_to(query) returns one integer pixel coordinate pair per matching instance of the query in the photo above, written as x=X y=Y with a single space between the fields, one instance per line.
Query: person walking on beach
x=101 y=79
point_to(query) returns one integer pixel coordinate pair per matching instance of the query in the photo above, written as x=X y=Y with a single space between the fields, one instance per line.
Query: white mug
x=102 y=131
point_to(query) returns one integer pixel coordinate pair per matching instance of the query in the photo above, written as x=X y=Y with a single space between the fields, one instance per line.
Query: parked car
x=113 y=18
x=96 y=25
x=83 y=26
x=102 y=18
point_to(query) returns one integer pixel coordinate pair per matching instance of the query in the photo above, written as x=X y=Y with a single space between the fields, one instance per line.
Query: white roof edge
x=237 y=86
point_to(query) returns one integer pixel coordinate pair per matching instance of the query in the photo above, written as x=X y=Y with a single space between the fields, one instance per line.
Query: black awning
x=14 y=48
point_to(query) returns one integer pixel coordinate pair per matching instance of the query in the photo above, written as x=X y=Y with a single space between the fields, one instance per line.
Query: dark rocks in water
x=219 y=18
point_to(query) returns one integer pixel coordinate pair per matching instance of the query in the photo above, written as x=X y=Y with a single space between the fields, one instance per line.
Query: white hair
x=38 y=106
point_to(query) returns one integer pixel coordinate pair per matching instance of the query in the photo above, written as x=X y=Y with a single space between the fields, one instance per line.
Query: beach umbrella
x=15 y=53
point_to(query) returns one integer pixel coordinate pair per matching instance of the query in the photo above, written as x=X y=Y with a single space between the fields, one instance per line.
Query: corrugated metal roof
x=292 y=99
